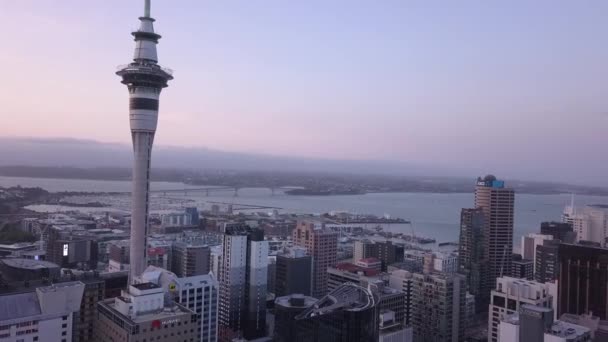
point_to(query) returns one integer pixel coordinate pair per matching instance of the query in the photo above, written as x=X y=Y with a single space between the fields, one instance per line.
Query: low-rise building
x=43 y=315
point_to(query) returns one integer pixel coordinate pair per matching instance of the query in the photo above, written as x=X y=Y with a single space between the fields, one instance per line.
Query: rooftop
x=346 y=297
x=352 y=268
x=28 y=264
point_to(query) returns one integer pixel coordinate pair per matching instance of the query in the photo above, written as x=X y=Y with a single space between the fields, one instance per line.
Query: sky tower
x=144 y=79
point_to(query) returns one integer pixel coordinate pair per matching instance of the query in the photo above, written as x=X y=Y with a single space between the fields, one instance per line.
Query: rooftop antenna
x=147 y=9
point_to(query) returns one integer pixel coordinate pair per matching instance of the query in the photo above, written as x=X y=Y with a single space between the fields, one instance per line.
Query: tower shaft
x=145 y=80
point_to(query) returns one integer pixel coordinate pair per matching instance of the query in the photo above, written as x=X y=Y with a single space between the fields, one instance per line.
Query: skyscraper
x=145 y=79
x=497 y=204
x=583 y=280
x=293 y=273
x=243 y=283
x=547 y=261
x=471 y=257
x=322 y=244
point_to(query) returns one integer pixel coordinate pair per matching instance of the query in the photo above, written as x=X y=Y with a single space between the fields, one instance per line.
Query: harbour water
x=432 y=214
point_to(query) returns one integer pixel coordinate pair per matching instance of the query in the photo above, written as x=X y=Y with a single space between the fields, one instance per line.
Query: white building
x=198 y=293
x=445 y=262
x=44 y=315
x=393 y=331
x=590 y=223
x=176 y=219
x=529 y=243
x=509 y=295
x=536 y=324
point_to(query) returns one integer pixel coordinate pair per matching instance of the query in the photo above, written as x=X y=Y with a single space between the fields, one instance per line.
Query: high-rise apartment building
x=190 y=259
x=322 y=244
x=198 y=293
x=243 y=283
x=472 y=260
x=508 y=297
x=439 y=307
x=583 y=280
x=145 y=79
x=43 y=315
x=294 y=270
x=547 y=261
x=497 y=204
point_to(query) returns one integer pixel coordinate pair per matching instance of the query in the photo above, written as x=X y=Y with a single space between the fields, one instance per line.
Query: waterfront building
x=321 y=243
x=583 y=280
x=497 y=204
x=536 y=324
x=46 y=314
x=190 y=258
x=145 y=79
x=509 y=295
x=590 y=223
x=199 y=293
x=142 y=313
x=294 y=269
x=243 y=283
x=472 y=262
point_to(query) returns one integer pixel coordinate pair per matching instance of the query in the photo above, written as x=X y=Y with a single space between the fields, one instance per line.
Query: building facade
x=322 y=244
x=508 y=297
x=190 y=259
x=439 y=307
x=547 y=261
x=583 y=280
x=142 y=313
x=44 y=315
x=348 y=313
x=199 y=294
x=472 y=261
x=243 y=283
x=497 y=205
x=294 y=270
